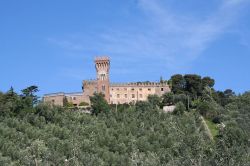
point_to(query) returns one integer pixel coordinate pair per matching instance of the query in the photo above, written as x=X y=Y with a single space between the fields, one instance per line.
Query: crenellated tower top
x=102 y=65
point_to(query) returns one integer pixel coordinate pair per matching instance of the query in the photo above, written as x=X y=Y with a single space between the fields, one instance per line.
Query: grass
x=212 y=127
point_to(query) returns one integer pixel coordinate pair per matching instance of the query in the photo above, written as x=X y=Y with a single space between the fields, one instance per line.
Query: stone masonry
x=114 y=93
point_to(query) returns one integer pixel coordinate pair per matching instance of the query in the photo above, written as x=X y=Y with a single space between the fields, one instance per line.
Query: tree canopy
x=36 y=133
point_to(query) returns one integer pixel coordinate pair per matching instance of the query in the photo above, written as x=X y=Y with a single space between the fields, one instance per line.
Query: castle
x=114 y=93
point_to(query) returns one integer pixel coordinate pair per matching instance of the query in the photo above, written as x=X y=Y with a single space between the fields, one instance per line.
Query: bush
x=207 y=109
x=84 y=104
x=179 y=109
x=99 y=104
x=143 y=106
x=154 y=100
x=217 y=120
x=168 y=99
x=69 y=105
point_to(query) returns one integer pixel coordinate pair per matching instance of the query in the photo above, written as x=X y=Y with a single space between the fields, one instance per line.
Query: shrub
x=99 y=104
x=84 y=104
x=179 y=109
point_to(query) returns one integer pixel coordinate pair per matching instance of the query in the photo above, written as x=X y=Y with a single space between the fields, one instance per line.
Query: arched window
x=103 y=87
x=102 y=76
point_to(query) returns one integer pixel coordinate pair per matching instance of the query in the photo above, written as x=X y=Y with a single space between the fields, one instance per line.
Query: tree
x=167 y=99
x=155 y=100
x=179 y=109
x=178 y=84
x=207 y=81
x=193 y=85
x=208 y=109
x=29 y=96
x=38 y=150
x=224 y=98
x=10 y=103
x=99 y=104
x=66 y=103
x=143 y=106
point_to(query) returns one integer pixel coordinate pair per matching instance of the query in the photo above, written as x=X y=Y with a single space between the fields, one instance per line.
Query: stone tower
x=102 y=65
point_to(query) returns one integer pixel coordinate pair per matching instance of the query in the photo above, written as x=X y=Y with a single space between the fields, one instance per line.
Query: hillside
x=52 y=135
x=207 y=127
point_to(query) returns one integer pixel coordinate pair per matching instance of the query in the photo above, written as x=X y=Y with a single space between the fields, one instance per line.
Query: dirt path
x=207 y=129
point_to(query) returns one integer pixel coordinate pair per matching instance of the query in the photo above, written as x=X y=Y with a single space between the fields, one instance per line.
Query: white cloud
x=168 y=37
x=173 y=38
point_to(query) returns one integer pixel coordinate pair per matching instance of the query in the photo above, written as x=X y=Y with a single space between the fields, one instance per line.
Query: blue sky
x=52 y=43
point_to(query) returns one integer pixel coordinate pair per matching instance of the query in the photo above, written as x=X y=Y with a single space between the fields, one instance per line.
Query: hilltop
x=207 y=127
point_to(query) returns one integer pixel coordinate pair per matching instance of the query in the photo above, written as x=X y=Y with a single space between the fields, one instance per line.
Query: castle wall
x=89 y=88
x=133 y=92
x=56 y=99
x=75 y=99
x=114 y=93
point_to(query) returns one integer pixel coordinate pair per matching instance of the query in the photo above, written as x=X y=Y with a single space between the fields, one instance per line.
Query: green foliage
x=83 y=104
x=168 y=99
x=208 y=109
x=178 y=84
x=212 y=127
x=190 y=84
x=238 y=111
x=207 y=81
x=154 y=100
x=99 y=104
x=143 y=106
x=29 y=97
x=139 y=134
x=69 y=105
x=193 y=85
x=224 y=98
x=179 y=109
x=12 y=104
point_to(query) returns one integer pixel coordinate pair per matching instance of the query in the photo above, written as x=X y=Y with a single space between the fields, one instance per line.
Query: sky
x=52 y=44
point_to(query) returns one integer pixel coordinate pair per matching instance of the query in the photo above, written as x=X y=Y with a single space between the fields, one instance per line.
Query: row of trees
x=33 y=133
x=190 y=84
x=137 y=135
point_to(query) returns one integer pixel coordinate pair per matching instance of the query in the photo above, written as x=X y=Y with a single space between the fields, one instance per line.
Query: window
x=74 y=98
x=126 y=96
x=132 y=89
x=118 y=95
x=103 y=87
x=133 y=95
x=140 y=95
x=53 y=101
x=102 y=76
x=140 y=89
x=149 y=89
x=117 y=89
x=125 y=88
x=162 y=89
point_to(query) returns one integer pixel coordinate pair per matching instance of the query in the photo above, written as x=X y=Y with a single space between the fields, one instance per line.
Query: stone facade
x=114 y=93
x=132 y=92
x=59 y=98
